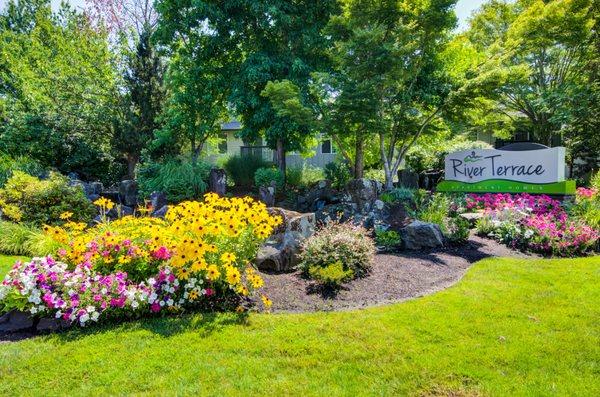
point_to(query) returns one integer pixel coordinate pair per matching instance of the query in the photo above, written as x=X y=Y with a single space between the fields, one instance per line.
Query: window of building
x=327 y=146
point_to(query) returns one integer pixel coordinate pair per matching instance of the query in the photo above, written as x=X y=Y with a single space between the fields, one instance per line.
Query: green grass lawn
x=510 y=327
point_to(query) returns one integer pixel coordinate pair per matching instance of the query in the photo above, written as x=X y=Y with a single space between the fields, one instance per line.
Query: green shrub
x=332 y=275
x=25 y=198
x=241 y=169
x=264 y=177
x=436 y=211
x=339 y=242
x=9 y=164
x=180 y=180
x=595 y=181
x=338 y=174
x=398 y=194
x=302 y=177
x=388 y=239
x=458 y=229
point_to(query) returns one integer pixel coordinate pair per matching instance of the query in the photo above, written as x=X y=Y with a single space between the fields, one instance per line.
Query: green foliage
x=14 y=238
x=332 y=275
x=436 y=209
x=341 y=242
x=338 y=173
x=428 y=157
x=398 y=194
x=302 y=177
x=265 y=176
x=458 y=229
x=375 y=174
x=25 y=198
x=25 y=164
x=388 y=239
x=58 y=90
x=179 y=179
x=241 y=169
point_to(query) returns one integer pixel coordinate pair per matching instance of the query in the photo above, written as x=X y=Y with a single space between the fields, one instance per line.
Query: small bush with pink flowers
x=536 y=223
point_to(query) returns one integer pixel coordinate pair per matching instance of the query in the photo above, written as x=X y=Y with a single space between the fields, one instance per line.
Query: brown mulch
x=394 y=277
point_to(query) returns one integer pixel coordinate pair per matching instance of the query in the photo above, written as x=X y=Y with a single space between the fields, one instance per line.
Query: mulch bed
x=395 y=277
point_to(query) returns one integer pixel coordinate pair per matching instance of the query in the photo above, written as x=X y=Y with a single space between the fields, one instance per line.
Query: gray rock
x=94 y=188
x=158 y=200
x=217 y=181
x=314 y=199
x=47 y=324
x=93 y=197
x=267 y=195
x=363 y=193
x=119 y=211
x=128 y=193
x=280 y=253
x=161 y=213
x=419 y=235
x=408 y=179
x=472 y=217
x=304 y=224
x=15 y=320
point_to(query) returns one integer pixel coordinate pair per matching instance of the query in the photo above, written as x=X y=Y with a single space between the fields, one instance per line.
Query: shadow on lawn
x=203 y=324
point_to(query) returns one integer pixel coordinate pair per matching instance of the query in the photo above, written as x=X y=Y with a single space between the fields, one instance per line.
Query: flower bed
x=198 y=257
x=534 y=223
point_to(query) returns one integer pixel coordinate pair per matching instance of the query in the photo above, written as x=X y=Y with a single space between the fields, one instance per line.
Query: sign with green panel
x=487 y=170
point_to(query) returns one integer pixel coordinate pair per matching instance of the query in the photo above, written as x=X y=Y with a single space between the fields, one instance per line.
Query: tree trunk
x=132 y=161
x=280 y=155
x=359 y=161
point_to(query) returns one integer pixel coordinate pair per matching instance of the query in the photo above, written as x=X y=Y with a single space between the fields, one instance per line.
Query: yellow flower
x=266 y=301
x=183 y=273
x=228 y=258
x=66 y=215
x=256 y=281
x=199 y=265
x=212 y=272
x=233 y=276
x=193 y=295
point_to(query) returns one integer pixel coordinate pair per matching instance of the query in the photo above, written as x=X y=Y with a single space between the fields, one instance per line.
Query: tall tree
x=57 y=88
x=131 y=24
x=257 y=41
x=542 y=47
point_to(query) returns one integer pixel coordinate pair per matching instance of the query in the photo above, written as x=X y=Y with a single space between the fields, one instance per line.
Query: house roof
x=231 y=125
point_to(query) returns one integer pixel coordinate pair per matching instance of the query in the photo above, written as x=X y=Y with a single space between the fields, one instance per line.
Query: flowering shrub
x=339 y=242
x=198 y=257
x=535 y=223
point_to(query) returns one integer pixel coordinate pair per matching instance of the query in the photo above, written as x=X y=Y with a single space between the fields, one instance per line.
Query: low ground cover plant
x=335 y=244
x=535 y=223
x=28 y=199
x=199 y=257
x=387 y=239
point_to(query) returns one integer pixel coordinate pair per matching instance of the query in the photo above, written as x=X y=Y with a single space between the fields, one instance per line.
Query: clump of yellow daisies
x=200 y=255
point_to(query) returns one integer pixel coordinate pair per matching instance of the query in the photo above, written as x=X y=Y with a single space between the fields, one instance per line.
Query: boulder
x=304 y=224
x=362 y=193
x=128 y=193
x=408 y=179
x=317 y=197
x=158 y=200
x=472 y=217
x=48 y=324
x=217 y=181
x=15 y=320
x=267 y=195
x=161 y=213
x=119 y=211
x=280 y=253
x=419 y=235
x=94 y=188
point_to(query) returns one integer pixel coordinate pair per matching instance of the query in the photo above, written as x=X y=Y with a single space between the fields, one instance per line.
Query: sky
x=464 y=8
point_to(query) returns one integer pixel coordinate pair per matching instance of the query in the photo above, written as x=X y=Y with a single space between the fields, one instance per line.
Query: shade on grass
x=510 y=327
